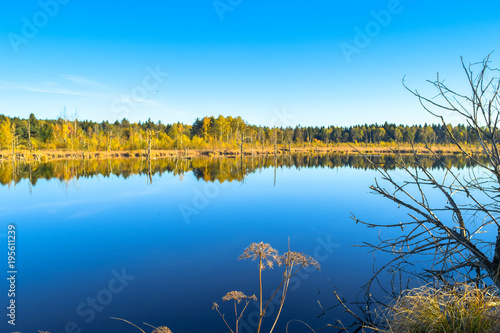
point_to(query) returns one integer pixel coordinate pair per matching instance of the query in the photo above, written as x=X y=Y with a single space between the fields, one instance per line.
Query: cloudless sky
x=271 y=62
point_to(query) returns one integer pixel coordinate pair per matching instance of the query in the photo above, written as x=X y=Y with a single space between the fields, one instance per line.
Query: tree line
x=208 y=132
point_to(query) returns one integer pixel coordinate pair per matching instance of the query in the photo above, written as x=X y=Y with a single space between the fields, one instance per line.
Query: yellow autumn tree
x=5 y=134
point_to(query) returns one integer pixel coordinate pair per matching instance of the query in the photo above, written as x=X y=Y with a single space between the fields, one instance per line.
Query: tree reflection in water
x=209 y=169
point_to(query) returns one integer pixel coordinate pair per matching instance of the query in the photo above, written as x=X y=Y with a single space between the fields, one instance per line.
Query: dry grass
x=462 y=308
x=353 y=148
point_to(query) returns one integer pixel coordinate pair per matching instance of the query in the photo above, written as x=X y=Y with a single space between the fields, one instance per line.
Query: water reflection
x=208 y=169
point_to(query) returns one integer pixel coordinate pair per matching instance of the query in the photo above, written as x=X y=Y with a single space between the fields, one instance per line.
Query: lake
x=159 y=242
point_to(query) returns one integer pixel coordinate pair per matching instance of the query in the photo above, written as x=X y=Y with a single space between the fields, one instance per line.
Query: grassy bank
x=47 y=155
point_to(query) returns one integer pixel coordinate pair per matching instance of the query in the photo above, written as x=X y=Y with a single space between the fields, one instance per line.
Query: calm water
x=159 y=243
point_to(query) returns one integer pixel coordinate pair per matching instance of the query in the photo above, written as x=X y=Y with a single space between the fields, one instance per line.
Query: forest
x=207 y=133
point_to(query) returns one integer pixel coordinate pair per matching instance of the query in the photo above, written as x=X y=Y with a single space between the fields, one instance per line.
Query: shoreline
x=371 y=149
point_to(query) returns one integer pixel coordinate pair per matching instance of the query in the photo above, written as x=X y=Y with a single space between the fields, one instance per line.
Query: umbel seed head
x=237 y=296
x=292 y=258
x=263 y=251
x=162 y=329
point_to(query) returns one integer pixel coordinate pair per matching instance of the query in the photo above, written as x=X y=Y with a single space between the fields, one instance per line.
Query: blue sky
x=271 y=62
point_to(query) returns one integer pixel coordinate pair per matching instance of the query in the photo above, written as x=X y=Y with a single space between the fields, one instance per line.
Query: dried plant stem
x=128 y=322
x=224 y=319
x=286 y=276
x=236 y=316
x=149 y=325
x=260 y=292
x=241 y=314
x=285 y=283
x=283 y=296
x=299 y=321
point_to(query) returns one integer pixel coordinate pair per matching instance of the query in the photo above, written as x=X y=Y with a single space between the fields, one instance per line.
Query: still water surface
x=160 y=243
